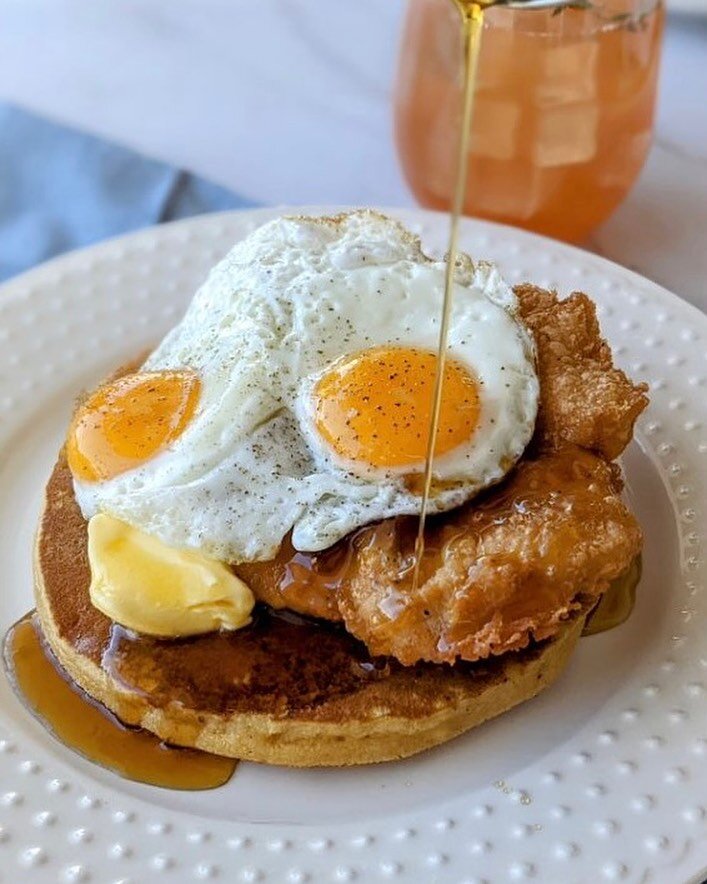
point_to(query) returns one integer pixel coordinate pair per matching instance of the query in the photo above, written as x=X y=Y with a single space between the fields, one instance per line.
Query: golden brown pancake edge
x=315 y=714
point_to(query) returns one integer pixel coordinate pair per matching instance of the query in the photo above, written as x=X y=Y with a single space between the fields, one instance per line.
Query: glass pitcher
x=563 y=110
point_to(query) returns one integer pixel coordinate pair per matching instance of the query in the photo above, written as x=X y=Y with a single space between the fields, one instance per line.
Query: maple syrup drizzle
x=471 y=24
x=90 y=729
x=617 y=603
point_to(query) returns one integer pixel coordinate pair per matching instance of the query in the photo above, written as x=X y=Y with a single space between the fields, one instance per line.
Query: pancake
x=285 y=690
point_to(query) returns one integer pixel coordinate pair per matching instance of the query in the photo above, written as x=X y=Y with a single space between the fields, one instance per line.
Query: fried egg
x=295 y=395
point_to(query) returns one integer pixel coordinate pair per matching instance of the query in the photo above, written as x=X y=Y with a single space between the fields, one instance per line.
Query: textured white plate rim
x=329 y=856
x=17 y=284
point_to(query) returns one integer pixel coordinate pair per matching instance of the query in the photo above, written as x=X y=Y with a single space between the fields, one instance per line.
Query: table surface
x=288 y=101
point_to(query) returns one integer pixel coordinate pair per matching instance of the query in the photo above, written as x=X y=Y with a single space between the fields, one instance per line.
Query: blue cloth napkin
x=61 y=189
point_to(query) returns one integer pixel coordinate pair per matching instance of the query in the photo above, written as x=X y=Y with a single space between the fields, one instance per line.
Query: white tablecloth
x=288 y=101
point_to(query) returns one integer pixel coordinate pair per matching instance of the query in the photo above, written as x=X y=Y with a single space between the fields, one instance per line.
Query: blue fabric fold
x=61 y=189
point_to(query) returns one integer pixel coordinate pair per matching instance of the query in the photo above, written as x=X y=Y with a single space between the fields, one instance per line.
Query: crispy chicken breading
x=497 y=573
x=509 y=566
x=584 y=400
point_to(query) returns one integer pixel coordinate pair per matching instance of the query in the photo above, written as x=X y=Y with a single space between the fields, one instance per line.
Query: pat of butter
x=150 y=587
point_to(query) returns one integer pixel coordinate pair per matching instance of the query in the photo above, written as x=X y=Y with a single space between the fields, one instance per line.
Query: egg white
x=283 y=306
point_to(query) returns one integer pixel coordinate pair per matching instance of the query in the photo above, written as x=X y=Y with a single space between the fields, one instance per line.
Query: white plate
x=603 y=777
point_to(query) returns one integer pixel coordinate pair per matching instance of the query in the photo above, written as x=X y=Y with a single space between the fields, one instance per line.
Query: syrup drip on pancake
x=281 y=663
x=90 y=729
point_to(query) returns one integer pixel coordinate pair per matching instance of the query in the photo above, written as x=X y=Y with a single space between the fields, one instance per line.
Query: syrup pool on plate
x=91 y=730
x=617 y=603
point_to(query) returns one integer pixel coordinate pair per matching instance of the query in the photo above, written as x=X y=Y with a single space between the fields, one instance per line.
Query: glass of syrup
x=562 y=114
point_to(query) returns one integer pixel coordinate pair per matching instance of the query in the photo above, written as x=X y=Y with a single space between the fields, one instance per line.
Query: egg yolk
x=376 y=405
x=128 y=421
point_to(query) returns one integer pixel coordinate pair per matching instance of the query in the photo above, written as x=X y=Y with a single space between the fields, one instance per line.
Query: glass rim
x=505 y=18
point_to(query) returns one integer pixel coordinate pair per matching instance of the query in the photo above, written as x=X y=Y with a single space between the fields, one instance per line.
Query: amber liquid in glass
x=563 y=111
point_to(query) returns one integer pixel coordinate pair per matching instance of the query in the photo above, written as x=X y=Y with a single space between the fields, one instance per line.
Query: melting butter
x=155 y=589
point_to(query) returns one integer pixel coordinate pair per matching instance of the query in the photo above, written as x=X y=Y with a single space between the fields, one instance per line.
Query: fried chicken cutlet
x=511 y=565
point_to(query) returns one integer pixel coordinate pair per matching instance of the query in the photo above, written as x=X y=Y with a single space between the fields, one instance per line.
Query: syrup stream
x=472 y=21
